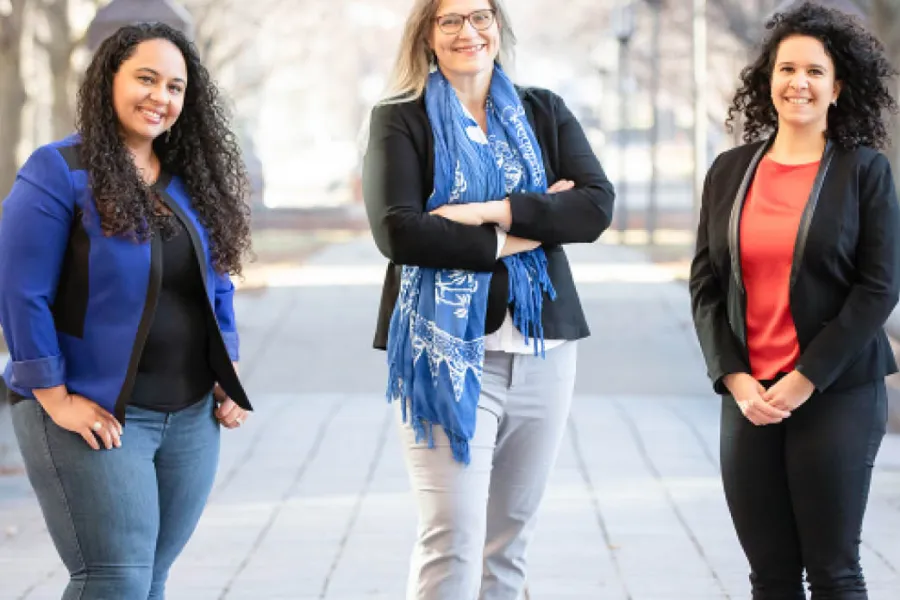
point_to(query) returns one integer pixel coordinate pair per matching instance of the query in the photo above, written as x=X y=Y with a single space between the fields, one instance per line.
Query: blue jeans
x=119 y=518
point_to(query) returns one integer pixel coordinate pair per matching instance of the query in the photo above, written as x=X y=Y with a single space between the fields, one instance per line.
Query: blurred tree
x=227 y=30
x=226 y=33
x=885 y=19
x=743 y=24
x=59 y=43
x=12 y=89
x=743 y=19
x=60 y=37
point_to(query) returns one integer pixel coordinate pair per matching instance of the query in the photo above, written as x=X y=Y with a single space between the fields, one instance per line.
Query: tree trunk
x=60 y=46
x=12 y=94
x=12 y=99
x=886 y=22
x=63 y=106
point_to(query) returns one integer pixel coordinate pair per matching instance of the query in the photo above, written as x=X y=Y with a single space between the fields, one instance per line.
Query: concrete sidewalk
x=312 y=498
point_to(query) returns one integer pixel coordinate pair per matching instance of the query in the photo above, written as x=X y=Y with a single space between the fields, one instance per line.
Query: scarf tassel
x=423 y=428
x=528 y=281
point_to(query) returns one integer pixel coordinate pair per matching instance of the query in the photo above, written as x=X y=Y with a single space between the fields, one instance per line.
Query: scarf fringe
x=528 y=281
x=424 y=429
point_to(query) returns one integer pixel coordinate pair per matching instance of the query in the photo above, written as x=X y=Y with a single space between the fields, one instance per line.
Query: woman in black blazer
x=478 y=490
x=797 y=268
x=396 y=184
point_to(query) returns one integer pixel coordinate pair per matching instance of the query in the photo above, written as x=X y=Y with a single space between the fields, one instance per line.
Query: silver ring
x=97 y=426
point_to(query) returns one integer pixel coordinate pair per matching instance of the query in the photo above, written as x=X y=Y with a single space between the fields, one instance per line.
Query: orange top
x=769 y=226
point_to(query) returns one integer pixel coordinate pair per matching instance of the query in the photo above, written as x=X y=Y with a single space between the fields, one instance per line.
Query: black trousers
x=797 y=491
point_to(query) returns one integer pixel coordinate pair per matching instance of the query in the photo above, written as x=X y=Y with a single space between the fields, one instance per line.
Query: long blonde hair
x=410 y=72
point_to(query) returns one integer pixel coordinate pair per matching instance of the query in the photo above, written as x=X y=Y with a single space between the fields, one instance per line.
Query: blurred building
x=119 y=13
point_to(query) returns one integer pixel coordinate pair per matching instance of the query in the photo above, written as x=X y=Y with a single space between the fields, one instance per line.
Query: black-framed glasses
x=453 y=23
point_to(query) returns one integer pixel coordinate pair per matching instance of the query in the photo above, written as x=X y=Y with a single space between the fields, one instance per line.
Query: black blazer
x=398 y=178
x=845 y=278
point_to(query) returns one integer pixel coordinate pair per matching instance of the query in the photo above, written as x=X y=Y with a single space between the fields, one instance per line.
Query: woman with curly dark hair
x=797 y=268
x=116 y=246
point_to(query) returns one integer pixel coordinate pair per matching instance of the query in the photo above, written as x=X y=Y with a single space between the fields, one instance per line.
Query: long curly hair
x=200 y=148
x=860 y=65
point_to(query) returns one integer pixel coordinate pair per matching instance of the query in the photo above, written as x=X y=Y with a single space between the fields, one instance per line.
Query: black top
x=845 y=278
x=398 y=177
x=174 y=371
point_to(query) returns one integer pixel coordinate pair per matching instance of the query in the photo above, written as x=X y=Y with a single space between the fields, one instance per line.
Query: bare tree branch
x=201 y=11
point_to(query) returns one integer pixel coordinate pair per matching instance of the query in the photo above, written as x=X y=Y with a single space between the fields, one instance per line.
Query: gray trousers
x=475 y=521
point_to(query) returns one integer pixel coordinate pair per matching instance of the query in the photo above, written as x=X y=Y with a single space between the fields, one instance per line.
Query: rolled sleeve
x=39 y=373
x=34 y=232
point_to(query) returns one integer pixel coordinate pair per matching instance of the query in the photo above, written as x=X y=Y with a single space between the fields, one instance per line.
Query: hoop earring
x=168 y=135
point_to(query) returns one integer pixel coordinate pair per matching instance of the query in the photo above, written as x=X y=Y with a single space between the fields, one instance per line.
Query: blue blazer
x=76 y=305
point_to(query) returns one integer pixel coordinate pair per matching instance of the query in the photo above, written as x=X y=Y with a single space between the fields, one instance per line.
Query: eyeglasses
x=453 y=23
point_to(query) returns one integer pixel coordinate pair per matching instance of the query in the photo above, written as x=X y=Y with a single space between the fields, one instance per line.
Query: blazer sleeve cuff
x=524 y=212
x=719 y=386
x=819 y=379
x=717 y=377
x=39 y=373
x=232 y=344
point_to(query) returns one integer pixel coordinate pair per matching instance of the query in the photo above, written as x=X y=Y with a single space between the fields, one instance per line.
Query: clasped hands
x=766 y=407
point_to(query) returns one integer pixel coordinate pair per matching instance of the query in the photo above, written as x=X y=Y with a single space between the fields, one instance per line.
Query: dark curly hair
x=860 y=65
x=201 y=149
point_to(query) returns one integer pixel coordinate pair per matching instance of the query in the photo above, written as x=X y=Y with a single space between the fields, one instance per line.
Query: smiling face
x=148 y=91
x=803 y=83
x=472 y=50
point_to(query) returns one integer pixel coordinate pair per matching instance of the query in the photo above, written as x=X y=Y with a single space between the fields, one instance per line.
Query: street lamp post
x=700 y=110
x=652 y=198
x=623 y=28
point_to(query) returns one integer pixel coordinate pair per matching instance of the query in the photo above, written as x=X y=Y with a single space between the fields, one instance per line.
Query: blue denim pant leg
x=186 y=464
x=100 y=507
x=120 y=517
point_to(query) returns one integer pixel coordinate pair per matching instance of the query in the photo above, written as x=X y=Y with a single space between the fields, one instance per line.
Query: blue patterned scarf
x=436 y=338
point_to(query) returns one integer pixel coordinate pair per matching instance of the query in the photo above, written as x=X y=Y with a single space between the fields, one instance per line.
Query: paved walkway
x=312 y=500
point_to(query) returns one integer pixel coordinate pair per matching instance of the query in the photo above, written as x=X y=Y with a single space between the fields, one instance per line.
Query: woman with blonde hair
x=479 y=312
